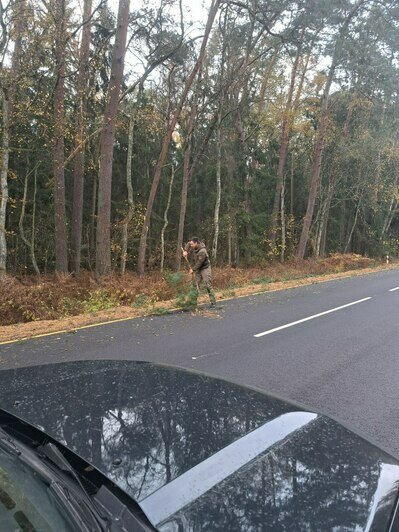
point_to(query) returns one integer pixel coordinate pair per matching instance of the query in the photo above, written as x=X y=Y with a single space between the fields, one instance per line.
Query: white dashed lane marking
x=271 y=331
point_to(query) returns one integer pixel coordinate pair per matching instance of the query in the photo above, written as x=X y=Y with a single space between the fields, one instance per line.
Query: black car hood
x=200 y=453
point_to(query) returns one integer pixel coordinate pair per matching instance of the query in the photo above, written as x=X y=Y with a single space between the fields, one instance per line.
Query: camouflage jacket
x=200 y=257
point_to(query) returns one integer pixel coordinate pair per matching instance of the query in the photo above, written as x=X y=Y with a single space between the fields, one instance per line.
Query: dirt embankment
x=29 y=307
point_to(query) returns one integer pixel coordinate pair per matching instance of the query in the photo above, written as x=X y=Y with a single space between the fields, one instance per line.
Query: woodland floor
x=31 y=307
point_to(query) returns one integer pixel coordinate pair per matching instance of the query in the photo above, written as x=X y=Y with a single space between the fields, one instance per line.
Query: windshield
x=26 y=502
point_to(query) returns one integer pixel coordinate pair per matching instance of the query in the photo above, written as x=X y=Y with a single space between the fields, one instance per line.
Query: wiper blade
x=80 y=513
x=51 y=451
x=72 y=495
x=104 y=501
x=104 y=508
x=87 y=504
x=8 y=444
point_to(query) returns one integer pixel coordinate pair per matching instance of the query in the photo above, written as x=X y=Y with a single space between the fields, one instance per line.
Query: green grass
x=140 y=300
x=263 y=280
x=99 y=300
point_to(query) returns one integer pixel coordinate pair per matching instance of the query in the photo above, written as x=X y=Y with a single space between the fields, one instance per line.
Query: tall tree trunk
x=92 y=228
x=7 y=93
x=4 y=183
x=390 y=215
x=325 y=210
x=286 y=125
x=219 y=145
x=241 y=95
x=186 y=173
x=29 y=244
x=282 y=214
x=218 y=186
x=236 y=246
x=320 y=225
x=159 y=166
x=392 y=207
x=103 y=230
x=130 y=196
x=316 y=167
x=229 y=160
x=229 y=239
x=292 y=184
x=354 y=223
x=33 y=226
x=61 y=257
x=79 y=160
x=165 y=216
x=377 y=179
x=247 y=182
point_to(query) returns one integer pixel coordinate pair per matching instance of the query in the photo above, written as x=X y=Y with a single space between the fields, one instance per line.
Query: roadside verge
x=24 y=331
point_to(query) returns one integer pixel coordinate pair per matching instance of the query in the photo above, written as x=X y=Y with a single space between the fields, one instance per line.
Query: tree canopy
x=271 y=132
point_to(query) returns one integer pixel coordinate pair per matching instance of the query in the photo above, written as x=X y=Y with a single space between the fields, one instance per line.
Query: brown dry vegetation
x=75 y=301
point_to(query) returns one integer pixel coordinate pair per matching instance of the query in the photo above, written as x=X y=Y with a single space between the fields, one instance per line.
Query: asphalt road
x=332 y=346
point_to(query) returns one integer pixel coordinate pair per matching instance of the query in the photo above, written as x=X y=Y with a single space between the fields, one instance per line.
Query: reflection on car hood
x=202 y=454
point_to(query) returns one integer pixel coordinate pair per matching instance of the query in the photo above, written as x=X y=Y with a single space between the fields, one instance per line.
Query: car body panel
x=205 y=454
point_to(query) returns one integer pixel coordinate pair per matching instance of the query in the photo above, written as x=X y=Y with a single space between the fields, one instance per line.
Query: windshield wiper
x=111 y=510
x=107 y=510
x=77 y=509
x=72 y=495
x=52 y=453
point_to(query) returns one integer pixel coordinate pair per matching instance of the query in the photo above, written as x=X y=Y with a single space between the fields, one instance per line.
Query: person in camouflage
x=201 y=269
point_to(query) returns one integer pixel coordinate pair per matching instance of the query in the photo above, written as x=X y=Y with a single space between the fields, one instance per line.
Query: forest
x=268 y=128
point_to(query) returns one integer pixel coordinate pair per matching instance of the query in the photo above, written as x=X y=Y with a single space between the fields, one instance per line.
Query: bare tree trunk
x=325 y=209
x=218 y=187
x=316 y=167
x=165 y=217
x=299 y=90
x=320 y=228
x=229 y=241
x=219 y=144
x=61 y=256
x=103 y=231
x=93 y=218
x=130 y=197
x=377 y=179
x=79 y=161
x=388 y=220
x=393 y=204
x=30 y=245
x=295 y=108
x=390 y=216
x=4 y=183
x=286 y=126
x=282 y=214
x=186 y=174
x=231 y=212
x=159 y=166
x=292 y=185
x=354 y=224
x=7 y=93
x=236 y=246
x=33 y=226
x=247 y=185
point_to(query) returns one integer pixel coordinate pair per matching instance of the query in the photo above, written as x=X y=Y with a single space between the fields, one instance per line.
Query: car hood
x=199 y=453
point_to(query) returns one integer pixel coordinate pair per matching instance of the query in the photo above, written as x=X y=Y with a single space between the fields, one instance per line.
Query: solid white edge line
x=311 y=317
x=393 y=289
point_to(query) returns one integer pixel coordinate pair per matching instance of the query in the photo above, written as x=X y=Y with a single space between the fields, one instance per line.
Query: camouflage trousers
x=204 y=277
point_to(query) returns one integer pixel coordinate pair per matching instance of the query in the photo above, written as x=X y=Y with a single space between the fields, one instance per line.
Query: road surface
x=332 y=346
